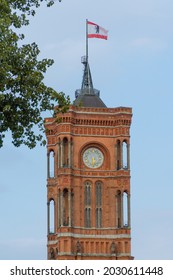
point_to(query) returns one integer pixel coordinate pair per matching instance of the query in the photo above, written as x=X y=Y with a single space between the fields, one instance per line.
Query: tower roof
x=87 y=96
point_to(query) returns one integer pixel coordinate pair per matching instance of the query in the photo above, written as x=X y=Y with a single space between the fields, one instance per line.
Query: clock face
x=93 y=157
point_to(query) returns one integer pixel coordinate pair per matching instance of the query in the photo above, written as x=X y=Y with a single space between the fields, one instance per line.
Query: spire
x=87 y=83
x=87 y=79
x=87 y=96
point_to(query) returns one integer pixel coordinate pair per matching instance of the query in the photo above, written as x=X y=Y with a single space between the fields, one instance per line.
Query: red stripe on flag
x=97 y=36
x=89 y=22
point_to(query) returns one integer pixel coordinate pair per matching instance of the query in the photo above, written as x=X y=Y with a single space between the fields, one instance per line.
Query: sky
x=132 y=68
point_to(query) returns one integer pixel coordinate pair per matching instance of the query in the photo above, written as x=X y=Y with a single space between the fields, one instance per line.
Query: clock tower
x=88 y=185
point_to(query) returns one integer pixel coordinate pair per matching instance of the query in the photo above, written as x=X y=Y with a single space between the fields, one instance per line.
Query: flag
x=96 y=31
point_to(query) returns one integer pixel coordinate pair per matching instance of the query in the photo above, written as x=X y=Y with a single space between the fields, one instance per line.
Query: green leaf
x=23 y=94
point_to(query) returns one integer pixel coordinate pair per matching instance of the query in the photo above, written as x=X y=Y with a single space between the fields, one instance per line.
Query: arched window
x=122 y=209
x=98 y=204
x=51 y=164
x=51 y=218
x=87 y=197
x=65 y=208
x=125 y=209
x=125 y=161
x=65 y=152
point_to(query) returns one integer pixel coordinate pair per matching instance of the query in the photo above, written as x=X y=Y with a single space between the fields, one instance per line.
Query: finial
x=87 y=84
x=87 y=79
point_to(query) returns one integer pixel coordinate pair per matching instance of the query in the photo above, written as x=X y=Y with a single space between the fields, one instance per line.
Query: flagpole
x=87 y=65
x=87 y=41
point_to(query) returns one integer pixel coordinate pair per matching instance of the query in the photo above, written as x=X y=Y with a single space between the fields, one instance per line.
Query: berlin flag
x=96 y=31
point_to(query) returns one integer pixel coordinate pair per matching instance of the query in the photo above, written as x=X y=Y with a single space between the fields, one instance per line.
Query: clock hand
x=93 y=161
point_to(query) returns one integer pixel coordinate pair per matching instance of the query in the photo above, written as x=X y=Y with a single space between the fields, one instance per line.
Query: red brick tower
x=88 y=183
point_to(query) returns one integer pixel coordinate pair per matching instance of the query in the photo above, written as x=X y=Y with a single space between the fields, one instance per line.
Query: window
x=65 y=208
x=125 y=209
x=65 y=155
x=87 y=204
x=125 y=163
x=51 y=216
x=98 y=204
x=51 y=168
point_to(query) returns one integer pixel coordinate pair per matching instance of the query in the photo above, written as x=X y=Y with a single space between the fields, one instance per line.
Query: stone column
x=116 y=157
x=59 y=155
x=69 y=153
x=57 y=211
x=62 y=207
x=61 y=159
x=69 y=208
x=72 y=154
x=55 y=217
x=48 y=217
x=72 y=208
x=116 y=211
x=122 y=214
x=121 y=151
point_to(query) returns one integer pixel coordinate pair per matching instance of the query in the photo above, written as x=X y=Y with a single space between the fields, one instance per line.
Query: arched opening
x=125 y=161
x=51 y=216
x=125 y=209
x=65 y=152
x=65 y=208
x=87 y=197
x=98 y=204
x=51 y=164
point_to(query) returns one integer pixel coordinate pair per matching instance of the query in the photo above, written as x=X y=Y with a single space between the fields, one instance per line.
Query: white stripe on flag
x=96 y=31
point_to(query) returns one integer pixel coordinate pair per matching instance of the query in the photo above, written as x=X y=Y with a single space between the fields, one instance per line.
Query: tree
x=23 y=94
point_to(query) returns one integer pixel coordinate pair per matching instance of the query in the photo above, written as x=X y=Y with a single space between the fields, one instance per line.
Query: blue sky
x=133 y=68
